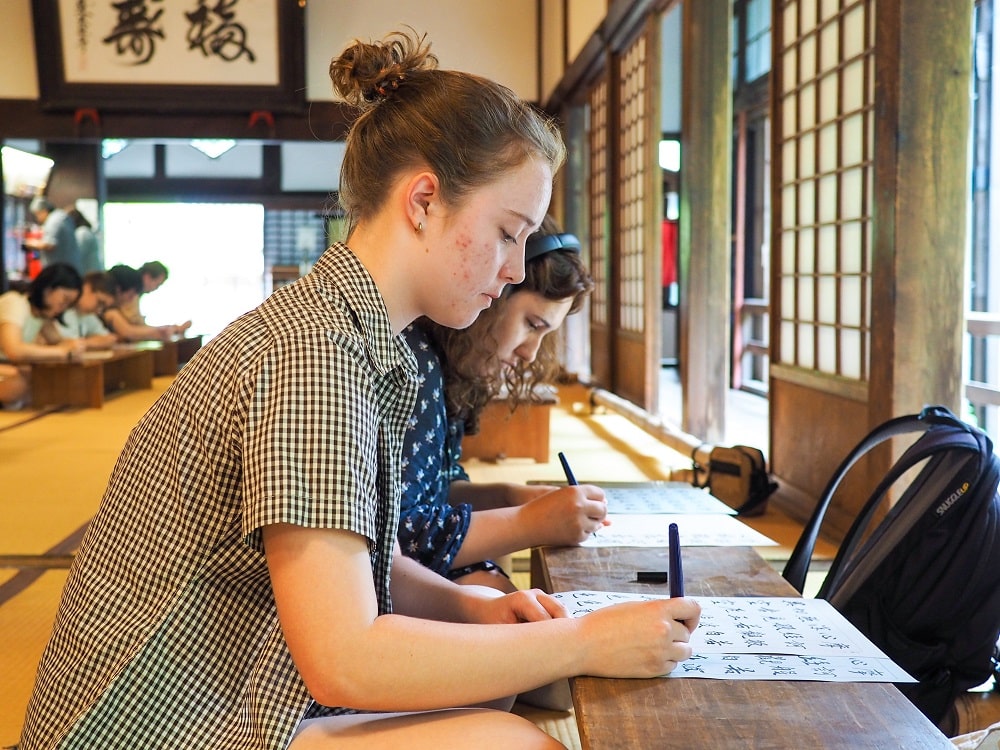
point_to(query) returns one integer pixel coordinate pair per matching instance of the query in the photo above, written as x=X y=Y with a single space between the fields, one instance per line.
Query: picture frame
x=170 y=56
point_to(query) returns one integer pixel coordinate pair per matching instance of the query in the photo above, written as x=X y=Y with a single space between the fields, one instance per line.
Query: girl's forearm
x=491 y=534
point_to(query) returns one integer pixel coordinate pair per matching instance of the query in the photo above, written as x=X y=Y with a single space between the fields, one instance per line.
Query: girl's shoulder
x=14 y=306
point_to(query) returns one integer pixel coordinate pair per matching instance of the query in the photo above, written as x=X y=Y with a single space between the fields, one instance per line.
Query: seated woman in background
x=449 y=524
x=153 y=274
x=28 y=328
x=82 y=321
x=128 y=283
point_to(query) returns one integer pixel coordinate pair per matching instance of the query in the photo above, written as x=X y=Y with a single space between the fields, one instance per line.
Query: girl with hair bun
x=234 y=588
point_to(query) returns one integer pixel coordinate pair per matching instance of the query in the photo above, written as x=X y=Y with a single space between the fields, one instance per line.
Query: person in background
x=58 y=241
x=153 y=274
x=129 y=285
x=28 y=328
x=82 y=320
x=265 y=603
x=449 y=524
x=91 y=257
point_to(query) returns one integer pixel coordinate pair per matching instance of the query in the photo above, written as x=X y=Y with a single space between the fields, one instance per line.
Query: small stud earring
x=420 y=227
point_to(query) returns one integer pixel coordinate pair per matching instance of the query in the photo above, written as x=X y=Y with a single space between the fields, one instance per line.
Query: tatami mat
x=558 y=724
x=55 y=464
x=25 y=622
x=55 y=468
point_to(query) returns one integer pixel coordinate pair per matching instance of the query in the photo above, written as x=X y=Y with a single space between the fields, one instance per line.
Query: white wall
x=18 y=75
x=491 y=38
x=488 y=37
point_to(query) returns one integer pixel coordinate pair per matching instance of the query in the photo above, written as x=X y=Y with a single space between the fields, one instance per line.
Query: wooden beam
x=24 y=118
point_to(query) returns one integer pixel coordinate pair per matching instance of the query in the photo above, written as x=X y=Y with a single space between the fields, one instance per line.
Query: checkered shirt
x=167 y=634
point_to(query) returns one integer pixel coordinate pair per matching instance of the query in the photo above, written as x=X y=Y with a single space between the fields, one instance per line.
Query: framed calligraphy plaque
x=170 y=55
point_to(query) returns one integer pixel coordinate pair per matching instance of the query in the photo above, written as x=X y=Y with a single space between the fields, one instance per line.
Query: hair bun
x=367 y=72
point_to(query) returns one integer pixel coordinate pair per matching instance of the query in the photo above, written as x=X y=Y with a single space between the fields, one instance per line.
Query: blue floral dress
x=430 y=529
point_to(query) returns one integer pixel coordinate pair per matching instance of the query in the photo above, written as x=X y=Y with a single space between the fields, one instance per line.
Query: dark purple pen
x=676 y=572
x=570 y=479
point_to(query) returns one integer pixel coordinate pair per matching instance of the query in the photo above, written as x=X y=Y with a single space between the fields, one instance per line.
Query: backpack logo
x=952 y=499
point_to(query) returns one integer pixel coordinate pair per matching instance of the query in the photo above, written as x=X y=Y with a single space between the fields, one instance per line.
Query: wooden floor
x=55 y=463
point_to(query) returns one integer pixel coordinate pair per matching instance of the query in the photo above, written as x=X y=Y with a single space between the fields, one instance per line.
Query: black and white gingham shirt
x=167 y=634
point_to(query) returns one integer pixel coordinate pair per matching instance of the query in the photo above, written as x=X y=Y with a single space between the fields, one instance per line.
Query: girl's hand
x=72 y=349
x=639 y=639
x=489 y=606
x=566 y=516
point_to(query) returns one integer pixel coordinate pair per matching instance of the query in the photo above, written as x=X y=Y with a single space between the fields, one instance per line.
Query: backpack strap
x=798 y=564
x=964 y=440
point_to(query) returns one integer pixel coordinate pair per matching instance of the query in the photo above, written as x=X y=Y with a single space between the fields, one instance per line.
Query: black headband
x=539 y=244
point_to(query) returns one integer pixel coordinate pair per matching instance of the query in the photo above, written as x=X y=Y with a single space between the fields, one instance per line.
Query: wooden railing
x=751 y=347
x=980 y=394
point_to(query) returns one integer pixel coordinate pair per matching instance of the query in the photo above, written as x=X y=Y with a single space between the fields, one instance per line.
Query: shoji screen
x=637 y=215
x=625 y=218
x=632 y=188
x=823 y=127
x=599 y=200
x=600 y=261
x=825 y=137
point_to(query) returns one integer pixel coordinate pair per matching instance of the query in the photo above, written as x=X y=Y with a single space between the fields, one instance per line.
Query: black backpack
x=924 y=585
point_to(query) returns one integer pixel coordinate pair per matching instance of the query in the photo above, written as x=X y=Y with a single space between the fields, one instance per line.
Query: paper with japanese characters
x=766 y=638
x=650 y=530
x=672 y=497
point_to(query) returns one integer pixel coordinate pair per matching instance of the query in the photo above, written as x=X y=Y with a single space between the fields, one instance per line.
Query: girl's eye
x=507 y=238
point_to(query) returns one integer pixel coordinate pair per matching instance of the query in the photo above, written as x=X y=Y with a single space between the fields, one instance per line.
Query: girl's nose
x=528 y=350
x=514 y=267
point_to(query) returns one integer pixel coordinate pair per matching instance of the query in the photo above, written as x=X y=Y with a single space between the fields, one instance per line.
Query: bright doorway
x=213 y=251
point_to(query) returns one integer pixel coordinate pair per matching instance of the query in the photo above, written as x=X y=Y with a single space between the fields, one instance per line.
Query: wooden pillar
x=705 y=221
x=922 y=198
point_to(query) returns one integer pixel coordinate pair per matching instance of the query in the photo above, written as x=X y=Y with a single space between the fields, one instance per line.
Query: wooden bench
x=85 y=383
x=521 y=434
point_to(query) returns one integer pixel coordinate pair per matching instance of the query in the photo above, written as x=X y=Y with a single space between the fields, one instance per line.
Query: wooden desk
x=85 y=383
x=703 y=713
x=521 y=434
x=187 y=348
x=168 y=356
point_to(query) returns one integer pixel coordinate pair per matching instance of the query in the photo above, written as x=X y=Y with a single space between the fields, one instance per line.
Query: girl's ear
x=422 y=192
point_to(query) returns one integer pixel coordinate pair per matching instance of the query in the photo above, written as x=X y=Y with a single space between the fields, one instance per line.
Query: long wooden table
x=85 y=383
x=704 y=713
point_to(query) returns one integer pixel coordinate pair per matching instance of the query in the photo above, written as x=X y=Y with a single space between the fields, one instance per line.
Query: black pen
x=570 y=479
x=676 y=573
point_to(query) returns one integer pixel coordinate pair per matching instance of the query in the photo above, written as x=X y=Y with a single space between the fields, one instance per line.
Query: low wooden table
x=521 y=434
x=168 y=356
x=704 y=713
x=86 y=383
